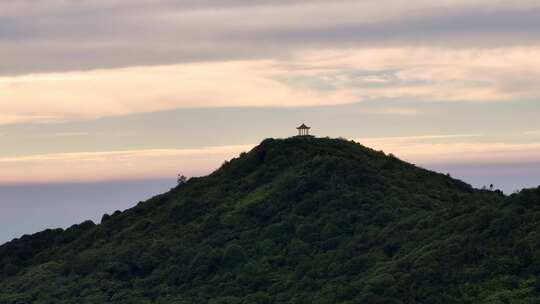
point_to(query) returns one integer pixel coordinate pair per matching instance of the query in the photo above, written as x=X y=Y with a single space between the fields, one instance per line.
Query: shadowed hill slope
x=298 y=220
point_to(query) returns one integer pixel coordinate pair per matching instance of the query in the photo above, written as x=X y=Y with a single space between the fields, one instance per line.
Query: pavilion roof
x=303 y=126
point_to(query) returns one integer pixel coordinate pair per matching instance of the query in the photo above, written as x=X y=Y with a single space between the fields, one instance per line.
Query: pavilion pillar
x=303 y=130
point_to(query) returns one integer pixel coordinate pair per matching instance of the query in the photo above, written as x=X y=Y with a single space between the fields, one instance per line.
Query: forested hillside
x=298 y=220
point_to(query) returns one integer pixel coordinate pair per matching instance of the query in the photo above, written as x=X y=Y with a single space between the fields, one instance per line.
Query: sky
x=104 y=102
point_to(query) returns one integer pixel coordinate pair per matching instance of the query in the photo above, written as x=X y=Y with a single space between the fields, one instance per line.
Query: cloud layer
x=73 y=60
x=432 y=150
x=308 y=78
x=114 y=165
x=57 y=35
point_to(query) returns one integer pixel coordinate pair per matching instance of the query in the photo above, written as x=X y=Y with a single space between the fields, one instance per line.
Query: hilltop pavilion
x=303 y=130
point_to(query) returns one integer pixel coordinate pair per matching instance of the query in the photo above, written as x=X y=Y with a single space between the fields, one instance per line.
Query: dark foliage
x=299 y=220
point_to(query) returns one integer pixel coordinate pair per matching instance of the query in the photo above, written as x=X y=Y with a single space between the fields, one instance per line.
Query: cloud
x=115 y=165
x=417 y=138
x=310 y=78
x=6 y=119
x=67 y=134
x=455 y=149
x=93 y=94
x=80 y=60
x=57 y=35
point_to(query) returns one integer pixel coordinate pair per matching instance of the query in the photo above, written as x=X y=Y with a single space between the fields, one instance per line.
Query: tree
x=182 y=179
x=234 y=255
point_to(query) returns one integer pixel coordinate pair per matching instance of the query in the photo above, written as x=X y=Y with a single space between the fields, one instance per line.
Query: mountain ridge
x=297 y=220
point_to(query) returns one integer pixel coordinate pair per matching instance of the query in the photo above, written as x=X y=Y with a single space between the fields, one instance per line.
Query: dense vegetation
x=299 y=220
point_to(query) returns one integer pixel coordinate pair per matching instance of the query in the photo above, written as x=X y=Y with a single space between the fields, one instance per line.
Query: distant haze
x=32 y=208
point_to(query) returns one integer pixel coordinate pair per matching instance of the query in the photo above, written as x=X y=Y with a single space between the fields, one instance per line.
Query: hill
x=298 y=220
